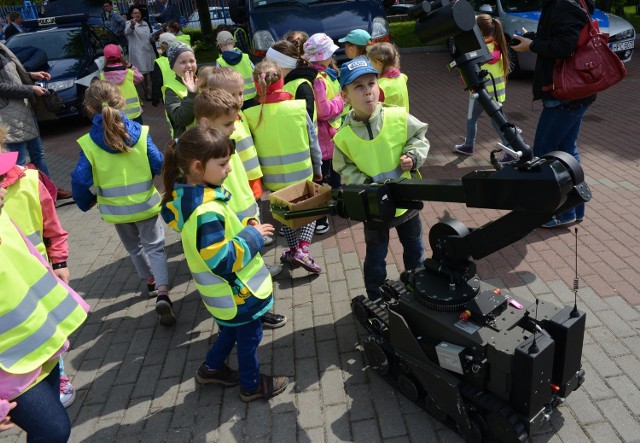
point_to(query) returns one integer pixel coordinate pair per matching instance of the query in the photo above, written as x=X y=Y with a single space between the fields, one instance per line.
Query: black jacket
x=557 y=37
x=10 y=31
x=304 y=91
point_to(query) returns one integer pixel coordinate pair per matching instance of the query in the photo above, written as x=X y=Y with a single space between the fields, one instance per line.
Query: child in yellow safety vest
x=377 y=143
x=162 y=73
x=356 y=43
x=179 y=92
x=232 y=57
x=319 y=51
x=498 y=68
x=222 y=253
x=288 y=151
x=125 y=76
x=218 y=109
x=31 y=206
x=29 y=359
x=119 y=159
x=385 y=58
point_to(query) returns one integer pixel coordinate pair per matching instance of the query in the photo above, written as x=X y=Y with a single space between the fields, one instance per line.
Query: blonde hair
x=386 y=54
x=198 y=143
x=214 y=77
x=491 y=27
x=265 y=73
x=214 y=102
x=105 y=98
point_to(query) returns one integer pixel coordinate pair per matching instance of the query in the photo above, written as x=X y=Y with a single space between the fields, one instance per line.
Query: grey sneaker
x=463 y=149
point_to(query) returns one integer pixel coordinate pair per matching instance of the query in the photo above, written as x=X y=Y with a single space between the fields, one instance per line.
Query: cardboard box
x=298 y=197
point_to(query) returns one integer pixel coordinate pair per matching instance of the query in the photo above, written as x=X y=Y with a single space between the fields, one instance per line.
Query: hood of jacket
x=305 y=72
x=232 y=57
x=97 y=133
x=185 y=199
x=116 y=76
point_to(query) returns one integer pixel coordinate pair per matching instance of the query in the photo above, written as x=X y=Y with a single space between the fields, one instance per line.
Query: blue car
x=66 y=47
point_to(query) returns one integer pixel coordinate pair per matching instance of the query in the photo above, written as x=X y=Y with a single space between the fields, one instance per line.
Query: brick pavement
x=135 y=379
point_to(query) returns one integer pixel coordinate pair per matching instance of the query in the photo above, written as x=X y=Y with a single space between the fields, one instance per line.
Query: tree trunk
x=205 y=20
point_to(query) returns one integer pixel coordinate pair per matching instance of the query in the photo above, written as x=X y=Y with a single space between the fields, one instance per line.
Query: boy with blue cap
x=355 y=43
x=376 y=143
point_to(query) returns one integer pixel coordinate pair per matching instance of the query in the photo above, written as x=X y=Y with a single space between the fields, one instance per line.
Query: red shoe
x=63 y=194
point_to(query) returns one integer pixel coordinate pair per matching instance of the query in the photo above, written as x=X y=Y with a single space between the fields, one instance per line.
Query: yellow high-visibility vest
x=292 y=86
x=132 y=108
x=123 y=181
x=181 y=91
x=378 y=158
x=332 y=88
x=216 y=293
x=242 y=201
x=246 y=148
x=23 y=206
x=496 y=72
x=282 y=142
x=165 y=69
x=37 y=313
x=395 y=91
x=244 y=68
x=184 y=38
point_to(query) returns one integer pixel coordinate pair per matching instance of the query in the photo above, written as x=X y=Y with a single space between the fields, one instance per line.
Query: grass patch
x=632 y=17
x=404 y=35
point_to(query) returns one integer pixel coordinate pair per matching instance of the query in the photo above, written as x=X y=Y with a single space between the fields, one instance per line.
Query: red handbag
x=592 y=68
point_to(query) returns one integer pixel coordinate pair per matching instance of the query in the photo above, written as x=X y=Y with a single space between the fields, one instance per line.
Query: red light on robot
x=555 y=388
x=497 y=291
x=465 y=315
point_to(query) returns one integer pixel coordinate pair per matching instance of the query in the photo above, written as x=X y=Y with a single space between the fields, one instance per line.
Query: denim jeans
x=35 y=149
x=377 y=246
x=475 y=111
x=558 y=130
x=247 y=337
x=40 y=414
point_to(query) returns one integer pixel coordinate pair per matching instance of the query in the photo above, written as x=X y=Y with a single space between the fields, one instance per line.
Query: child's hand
x=63 y=274
x=263 y=229
x=190 y=81
x=5 y=407
x=317 y=177
x=406 y=163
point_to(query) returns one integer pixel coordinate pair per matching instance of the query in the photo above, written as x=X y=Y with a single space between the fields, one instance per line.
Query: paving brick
x=602 y=432
x=622 y=421
x=627 y=392
x=615 y=323
x=583 y=407
x=311 y=403
x=600 y=360
x=366 y=431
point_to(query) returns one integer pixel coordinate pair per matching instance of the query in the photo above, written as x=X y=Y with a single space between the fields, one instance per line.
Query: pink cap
x=112 y=52
x=7 y=161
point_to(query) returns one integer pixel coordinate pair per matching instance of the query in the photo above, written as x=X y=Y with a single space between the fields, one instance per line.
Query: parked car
x=72 y=47
x=266 y=21
x=219 y=16
x=518 y=14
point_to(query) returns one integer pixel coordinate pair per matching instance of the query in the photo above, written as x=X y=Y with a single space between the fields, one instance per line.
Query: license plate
x=622 y=46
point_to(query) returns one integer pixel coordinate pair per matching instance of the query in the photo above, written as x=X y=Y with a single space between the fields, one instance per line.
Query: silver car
x=518 y=14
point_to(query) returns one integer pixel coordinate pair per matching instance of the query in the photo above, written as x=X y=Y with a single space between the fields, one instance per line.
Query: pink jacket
x=12 y=385
x=117 y=77
x=326 y=109
x=55 y=237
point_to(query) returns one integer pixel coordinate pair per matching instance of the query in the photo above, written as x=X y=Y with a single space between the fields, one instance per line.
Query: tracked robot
x=469 y=353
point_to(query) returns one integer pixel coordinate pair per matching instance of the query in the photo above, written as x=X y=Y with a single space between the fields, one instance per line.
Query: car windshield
x=284 y=2
x=58 y=44
x=522 y=5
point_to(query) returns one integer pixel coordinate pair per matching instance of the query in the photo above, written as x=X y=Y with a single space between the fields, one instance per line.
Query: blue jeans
x=475 y=111
x=377 y=242
x=35 y=149
x=247 y=337
x=558 y=130
x=40 y=414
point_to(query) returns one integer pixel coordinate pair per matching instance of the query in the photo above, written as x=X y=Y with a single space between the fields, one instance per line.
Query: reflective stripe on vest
x=395 y=91
x=129 y=195
x=282 y=142
x=388 y=146
x=132 y=108
x=165 y=69
x=246 y=149
x=242 y=201
x=215 y=291
x=331 y=90
x=181 y=91
x=496 y=71
x=37 y=313
x=292 y=87
x=244 y=68
x=23 y=206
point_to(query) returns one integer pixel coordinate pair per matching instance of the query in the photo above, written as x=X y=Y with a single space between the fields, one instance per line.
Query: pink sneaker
x=287 y=258
x=67 y=392
x=303 y=258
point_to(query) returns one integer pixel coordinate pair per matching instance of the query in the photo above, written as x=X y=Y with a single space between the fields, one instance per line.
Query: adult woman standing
x=141 y=53
x=557 y=37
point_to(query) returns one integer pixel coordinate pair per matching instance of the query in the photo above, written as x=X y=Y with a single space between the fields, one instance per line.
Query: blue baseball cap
x=357 y=67
x=358 y=37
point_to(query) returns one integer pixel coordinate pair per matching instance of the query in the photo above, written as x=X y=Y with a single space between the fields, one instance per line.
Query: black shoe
x=164 y=310
x=223 y=376
x=322 y=225
x=273 y=321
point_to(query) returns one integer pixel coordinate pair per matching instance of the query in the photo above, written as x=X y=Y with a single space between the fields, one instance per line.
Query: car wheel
x=514 y=65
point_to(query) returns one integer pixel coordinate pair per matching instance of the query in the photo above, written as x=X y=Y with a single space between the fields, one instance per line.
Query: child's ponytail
x=105 y=98
x=491 y=27
x=265 y=73
x=170 y=171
